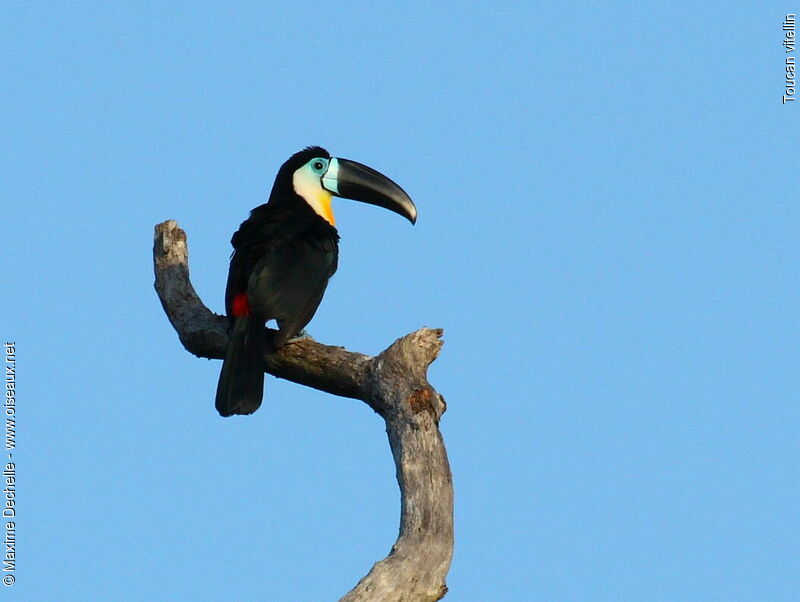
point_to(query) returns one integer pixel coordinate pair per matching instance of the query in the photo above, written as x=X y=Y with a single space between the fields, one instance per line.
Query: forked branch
x=394 y=384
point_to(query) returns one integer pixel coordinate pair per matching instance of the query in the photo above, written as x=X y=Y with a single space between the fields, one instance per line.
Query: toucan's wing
x=283 y=265
x=288 y=282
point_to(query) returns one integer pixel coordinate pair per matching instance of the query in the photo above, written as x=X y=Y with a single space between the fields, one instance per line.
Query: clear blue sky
x=608 y=215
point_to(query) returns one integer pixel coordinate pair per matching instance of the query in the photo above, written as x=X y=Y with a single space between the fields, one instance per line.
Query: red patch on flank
x=240 y=306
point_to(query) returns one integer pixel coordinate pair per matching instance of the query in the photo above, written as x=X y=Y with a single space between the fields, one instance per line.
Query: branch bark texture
x=394 y=384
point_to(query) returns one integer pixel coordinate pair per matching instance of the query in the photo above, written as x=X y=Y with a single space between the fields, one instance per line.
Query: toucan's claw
x=303 y=335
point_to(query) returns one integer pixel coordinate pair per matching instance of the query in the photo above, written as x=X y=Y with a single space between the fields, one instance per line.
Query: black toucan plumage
x=283 y=256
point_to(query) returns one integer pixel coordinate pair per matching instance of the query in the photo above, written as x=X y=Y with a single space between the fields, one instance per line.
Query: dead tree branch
x=394 y=384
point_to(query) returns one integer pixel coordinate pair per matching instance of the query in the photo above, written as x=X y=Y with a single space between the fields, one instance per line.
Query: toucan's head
x=316 y=177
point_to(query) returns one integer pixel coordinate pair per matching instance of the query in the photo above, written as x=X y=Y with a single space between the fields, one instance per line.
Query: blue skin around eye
x=313 y=163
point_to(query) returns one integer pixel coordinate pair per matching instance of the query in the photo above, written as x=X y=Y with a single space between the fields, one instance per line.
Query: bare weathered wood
x=421 y=556
x=394 y=384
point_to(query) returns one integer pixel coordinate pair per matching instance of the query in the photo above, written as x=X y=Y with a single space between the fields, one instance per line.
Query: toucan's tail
x=241 y=381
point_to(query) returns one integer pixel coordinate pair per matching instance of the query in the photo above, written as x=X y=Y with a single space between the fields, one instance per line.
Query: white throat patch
x=307 y=184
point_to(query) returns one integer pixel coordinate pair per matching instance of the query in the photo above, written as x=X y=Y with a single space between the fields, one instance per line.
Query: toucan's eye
x=319 y=165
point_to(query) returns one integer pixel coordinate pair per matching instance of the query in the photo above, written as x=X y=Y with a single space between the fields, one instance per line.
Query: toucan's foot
x=303 y=335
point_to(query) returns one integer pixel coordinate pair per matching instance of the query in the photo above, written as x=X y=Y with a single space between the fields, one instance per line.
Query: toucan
x=283 y=256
